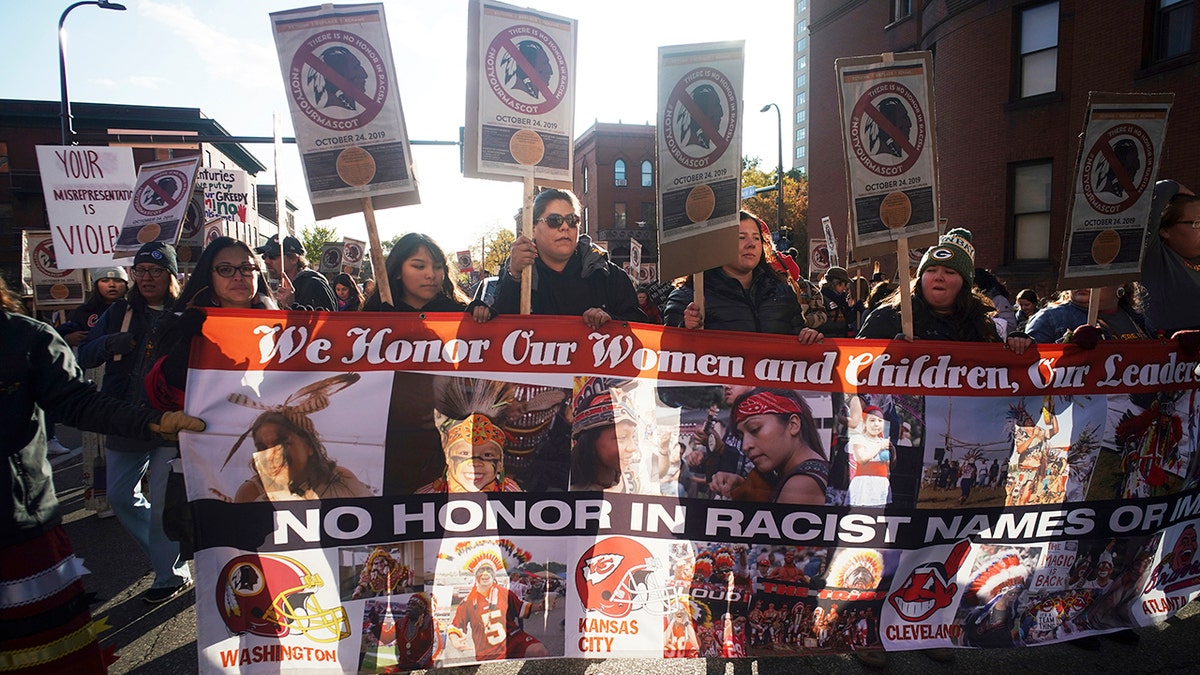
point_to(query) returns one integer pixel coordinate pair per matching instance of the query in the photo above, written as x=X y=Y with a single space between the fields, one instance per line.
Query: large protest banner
x=87 y=191
x=1114 y=185
x=699 y=155
x=345 y=101
x=901 y=495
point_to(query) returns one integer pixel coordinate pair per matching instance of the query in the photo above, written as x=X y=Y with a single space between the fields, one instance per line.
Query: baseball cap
x=290 y=245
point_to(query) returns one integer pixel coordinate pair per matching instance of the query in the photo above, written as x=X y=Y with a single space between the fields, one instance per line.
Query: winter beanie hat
x=953 y=250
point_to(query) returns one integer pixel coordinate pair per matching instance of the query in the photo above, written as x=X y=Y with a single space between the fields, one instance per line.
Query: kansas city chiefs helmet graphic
x=619 y=575
x=930 y=586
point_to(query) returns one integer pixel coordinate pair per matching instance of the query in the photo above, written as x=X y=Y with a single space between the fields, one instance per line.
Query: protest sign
x=831 y=241
x=87 y=191
x=52 y=287
x=344 y=97
x=890 y=150
x=699 y=155
x=353 y=253
x=520 y=94
x=819 y=256
x=1114 y=185
x=457 y=490
x=332 y=254
x=160 y=200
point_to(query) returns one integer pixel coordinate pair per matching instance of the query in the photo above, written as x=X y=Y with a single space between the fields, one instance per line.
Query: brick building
x=1011 y=83
x=155 y=133
x=614 y=178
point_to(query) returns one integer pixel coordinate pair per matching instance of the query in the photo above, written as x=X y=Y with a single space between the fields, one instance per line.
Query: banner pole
x=906 y=311
x=527 y=231
x=698 y=291
x=385 y=287
x=1093 y=306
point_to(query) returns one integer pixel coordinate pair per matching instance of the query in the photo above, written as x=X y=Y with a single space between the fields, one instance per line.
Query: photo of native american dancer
x=1149 y=446
x=968 y=443
x=991 y=603
x=386 y=569
x=494 y=608
x=467 y=413
x=877 y=452
x=1054 y=448
x=400 y=634
x=287 y=441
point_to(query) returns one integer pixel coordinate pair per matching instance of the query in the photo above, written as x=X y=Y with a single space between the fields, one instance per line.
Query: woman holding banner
x=417 y=272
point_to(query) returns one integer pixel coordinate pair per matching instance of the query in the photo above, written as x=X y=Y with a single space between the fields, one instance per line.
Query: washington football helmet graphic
x=619 y=575
x=272 y=595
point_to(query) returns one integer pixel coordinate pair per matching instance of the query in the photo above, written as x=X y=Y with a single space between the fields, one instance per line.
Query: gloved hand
x=119 y=343
x=1086 y=337
x=171 y=423
x=1189 y=342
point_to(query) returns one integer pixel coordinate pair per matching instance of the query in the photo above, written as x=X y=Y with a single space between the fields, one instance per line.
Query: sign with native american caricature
x=160 y=201
x=1114 y=185
x=520 y=94
x=416 y=493
x=344 y=94
x=87 y=191
x=699 y=155
x=52 y=287
x=886 y=105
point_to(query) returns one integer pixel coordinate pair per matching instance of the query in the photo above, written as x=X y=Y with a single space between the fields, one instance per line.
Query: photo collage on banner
x=664 y=518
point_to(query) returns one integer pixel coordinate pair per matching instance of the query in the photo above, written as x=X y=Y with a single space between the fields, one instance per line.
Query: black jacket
x=768 y=306
x=38 y=373
x=884 y=322
x=313 y=292
x=842 y=317
x=589 y=280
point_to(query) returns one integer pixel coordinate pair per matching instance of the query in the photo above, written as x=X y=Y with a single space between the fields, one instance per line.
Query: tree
x=497 y=241
x=795 y=200
x=314 y=237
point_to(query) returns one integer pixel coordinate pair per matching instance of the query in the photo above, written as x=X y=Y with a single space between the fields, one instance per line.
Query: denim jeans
x=141 y=514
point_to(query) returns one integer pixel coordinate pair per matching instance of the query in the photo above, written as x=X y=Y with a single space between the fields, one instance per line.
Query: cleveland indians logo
x=929 y=587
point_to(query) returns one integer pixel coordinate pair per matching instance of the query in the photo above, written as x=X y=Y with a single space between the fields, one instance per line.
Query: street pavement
x=160 y=640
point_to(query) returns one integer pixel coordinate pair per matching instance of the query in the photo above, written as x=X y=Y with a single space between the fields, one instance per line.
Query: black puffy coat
x=768 y=306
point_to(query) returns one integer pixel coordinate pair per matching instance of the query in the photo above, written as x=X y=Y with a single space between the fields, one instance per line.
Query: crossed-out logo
x=619 y=575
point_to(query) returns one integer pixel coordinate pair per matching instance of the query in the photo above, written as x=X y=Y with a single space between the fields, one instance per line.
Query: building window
x=802 y=6
x=1172 y=28
x=802 y=100
x=801 y=116
x=647 y=173
x=585 y=221
x=619 y=173
x=802 y=44
x=901 y=9
x=585 y=179
x=802 y=63
x=1031 y=210
x=802 y=80
x=801 y=134
x=647 y=216
x=802 y=27
x=619 y=214
x=1039 y=50
x=801 y=151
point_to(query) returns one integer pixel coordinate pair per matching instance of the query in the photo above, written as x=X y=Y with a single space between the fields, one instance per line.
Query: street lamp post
x=779 y=170
x=68 y=131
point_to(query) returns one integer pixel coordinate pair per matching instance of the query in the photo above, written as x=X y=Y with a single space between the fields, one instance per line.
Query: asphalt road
x=157 y=640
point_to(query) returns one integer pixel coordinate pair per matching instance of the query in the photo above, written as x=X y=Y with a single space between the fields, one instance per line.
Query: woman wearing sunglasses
x=571 y=276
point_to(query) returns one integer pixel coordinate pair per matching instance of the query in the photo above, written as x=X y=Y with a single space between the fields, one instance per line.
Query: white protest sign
x=1114 y=185
x=520 y=94
x=890 y=150
x=159 y=202
x=87 y=191
x=342 y=90
x=699 y=155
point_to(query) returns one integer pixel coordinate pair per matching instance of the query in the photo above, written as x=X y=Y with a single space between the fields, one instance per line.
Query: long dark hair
x=322 y=469
x=198 y=291
x=355 y=299
x=9 y=302
x=808 y=426
x=404 y=249
x=971 y=312
x=585 y=463
x=763 y=266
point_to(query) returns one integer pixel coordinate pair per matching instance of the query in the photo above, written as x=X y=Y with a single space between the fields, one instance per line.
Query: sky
x=219 y=56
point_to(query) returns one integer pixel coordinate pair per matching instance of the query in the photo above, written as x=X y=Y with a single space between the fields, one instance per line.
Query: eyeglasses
x=270 y=256
x=152 y=272
x=228 y=271
x=1194 y=224
x=556 y=221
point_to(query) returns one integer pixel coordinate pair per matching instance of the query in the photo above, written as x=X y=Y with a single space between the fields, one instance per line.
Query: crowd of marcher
x=138 y=324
